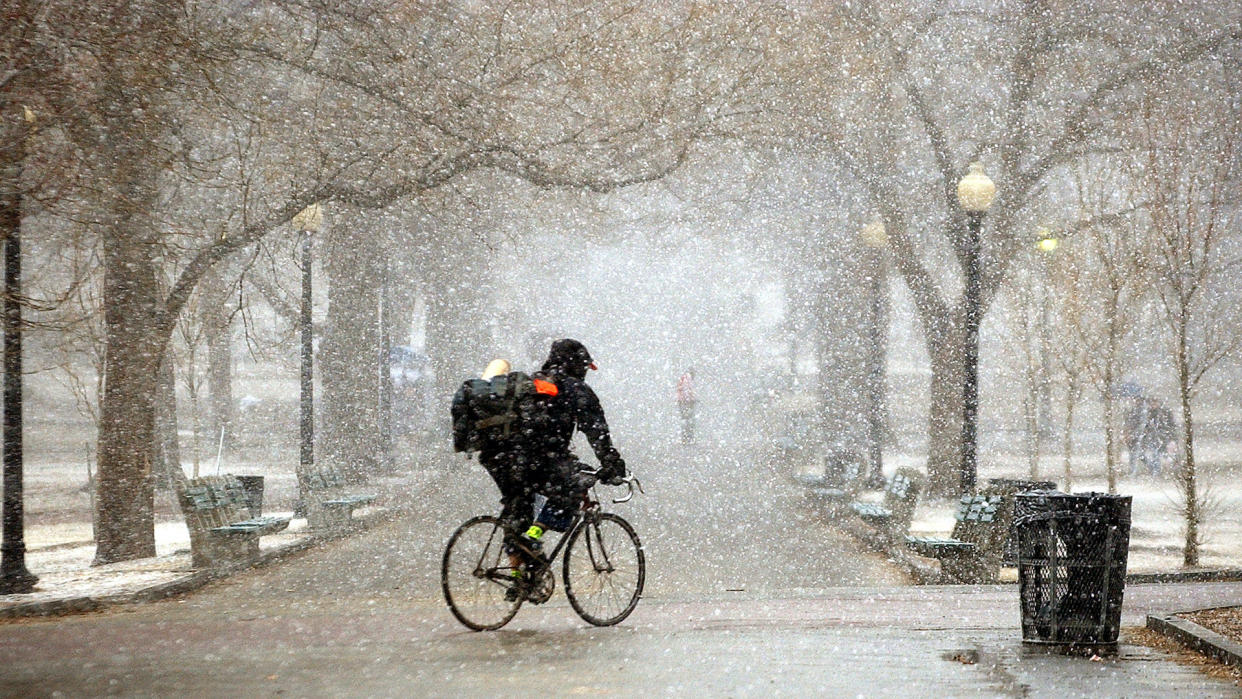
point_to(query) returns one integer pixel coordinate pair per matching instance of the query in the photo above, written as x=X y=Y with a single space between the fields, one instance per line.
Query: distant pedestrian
x=1134 y=426
x=1157 y=436
x=686 y=403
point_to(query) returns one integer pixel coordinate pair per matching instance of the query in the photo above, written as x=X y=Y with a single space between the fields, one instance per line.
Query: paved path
x=363 y=617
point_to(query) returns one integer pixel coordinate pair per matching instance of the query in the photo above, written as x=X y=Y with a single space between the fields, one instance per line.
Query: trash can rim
x=1060 y=494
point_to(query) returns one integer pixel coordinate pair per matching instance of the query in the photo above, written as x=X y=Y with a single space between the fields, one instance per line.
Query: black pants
x=510 y=471
x=520 y=478
x=561 y=481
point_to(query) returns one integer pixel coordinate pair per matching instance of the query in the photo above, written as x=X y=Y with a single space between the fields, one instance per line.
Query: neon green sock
x=535 y=532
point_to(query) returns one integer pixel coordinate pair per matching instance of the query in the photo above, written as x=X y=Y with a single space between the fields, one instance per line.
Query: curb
x=1220 y=575
x=1196 y=637
x=191 y=581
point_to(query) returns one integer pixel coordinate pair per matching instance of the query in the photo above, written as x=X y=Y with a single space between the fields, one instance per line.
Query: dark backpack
x=494 y=414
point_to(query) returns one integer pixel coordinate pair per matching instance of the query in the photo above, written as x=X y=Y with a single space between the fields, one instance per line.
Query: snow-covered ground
x=61 y=555
x=59 y=538
x=1157 y=531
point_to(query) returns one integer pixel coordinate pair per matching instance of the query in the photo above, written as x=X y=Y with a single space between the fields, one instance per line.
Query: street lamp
x=14 y=577
x=975 y=192
x=308 y=222
x=1048 y=240
x=875 y=240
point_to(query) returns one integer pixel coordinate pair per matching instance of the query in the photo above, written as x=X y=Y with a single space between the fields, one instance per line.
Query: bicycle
x=603 y=568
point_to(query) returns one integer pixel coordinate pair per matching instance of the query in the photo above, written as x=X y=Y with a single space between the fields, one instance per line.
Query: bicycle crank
x=542 y=588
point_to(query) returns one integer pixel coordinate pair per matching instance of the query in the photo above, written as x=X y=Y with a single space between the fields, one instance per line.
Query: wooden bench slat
x=940 y=548
x=351 y=500
x=222 y=529
x=329 y=506
x=865 y=509
x=256 y=527
x=893 y=515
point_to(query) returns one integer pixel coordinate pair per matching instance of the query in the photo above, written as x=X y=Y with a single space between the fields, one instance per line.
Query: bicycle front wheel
x=604 y=569
x=476 y=575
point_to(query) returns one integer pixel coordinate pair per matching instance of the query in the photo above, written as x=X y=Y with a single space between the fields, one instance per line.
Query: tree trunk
x=126 y=528
x=166 y=447
x=349 y=357
x=944 y=419
x=1072 y=391
x=841 y=344
x=1110 y=377
x=1188 y=476
x=459 y=341
x=1110 y=442
x=217 y=323
x=125 y=166
x=1030 y=417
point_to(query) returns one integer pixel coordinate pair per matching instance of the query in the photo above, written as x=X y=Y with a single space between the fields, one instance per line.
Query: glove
x=583 y=480
x=614 y=472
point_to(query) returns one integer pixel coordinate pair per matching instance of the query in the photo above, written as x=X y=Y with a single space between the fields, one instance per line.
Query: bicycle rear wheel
x=476 y=575
x=604 y=569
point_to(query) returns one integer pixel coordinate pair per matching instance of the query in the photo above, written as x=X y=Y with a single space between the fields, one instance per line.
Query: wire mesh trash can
x=253 y=485
x=842 y=467
x=1072 y=552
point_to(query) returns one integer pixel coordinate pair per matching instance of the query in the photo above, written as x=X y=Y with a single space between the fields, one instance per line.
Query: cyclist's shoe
x=531 y=547
x=517 y=590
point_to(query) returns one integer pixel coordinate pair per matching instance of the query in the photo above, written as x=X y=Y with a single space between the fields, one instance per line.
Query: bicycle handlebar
x=630 y=483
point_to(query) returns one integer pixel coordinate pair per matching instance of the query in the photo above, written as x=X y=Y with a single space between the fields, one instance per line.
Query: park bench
x=841 y=479
x=894 y=514
x=329 y=508
x=223 y=530
x=972 y=553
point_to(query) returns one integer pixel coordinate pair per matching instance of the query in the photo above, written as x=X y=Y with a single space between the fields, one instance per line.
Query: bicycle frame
x=586 y=512
x=588 y=507
x=599 y=549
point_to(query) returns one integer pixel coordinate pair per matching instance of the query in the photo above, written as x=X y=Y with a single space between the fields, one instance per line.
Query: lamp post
x=975 y=192
x=875 y=239
x=14 y=577
x=1047 y=245
x=308 y=222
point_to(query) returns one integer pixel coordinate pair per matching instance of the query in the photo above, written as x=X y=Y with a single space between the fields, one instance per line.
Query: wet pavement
x=749 y=595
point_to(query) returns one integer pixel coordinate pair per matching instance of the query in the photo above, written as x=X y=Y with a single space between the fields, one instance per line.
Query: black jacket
x=575 y=407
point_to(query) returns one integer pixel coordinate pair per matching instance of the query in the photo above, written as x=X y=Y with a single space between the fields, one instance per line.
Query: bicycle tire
x=604 y=569
x=475 y=575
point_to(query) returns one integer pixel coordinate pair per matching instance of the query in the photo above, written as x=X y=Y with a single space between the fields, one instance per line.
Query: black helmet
x=569 y=357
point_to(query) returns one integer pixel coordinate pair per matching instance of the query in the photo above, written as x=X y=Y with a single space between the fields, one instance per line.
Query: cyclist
x=505 y=461
x=554 y=470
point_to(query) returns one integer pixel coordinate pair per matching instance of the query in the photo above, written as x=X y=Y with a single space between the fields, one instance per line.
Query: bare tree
x=1187 y=161
x=1108 y=281
x=379 y=104
x=1027 y=88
